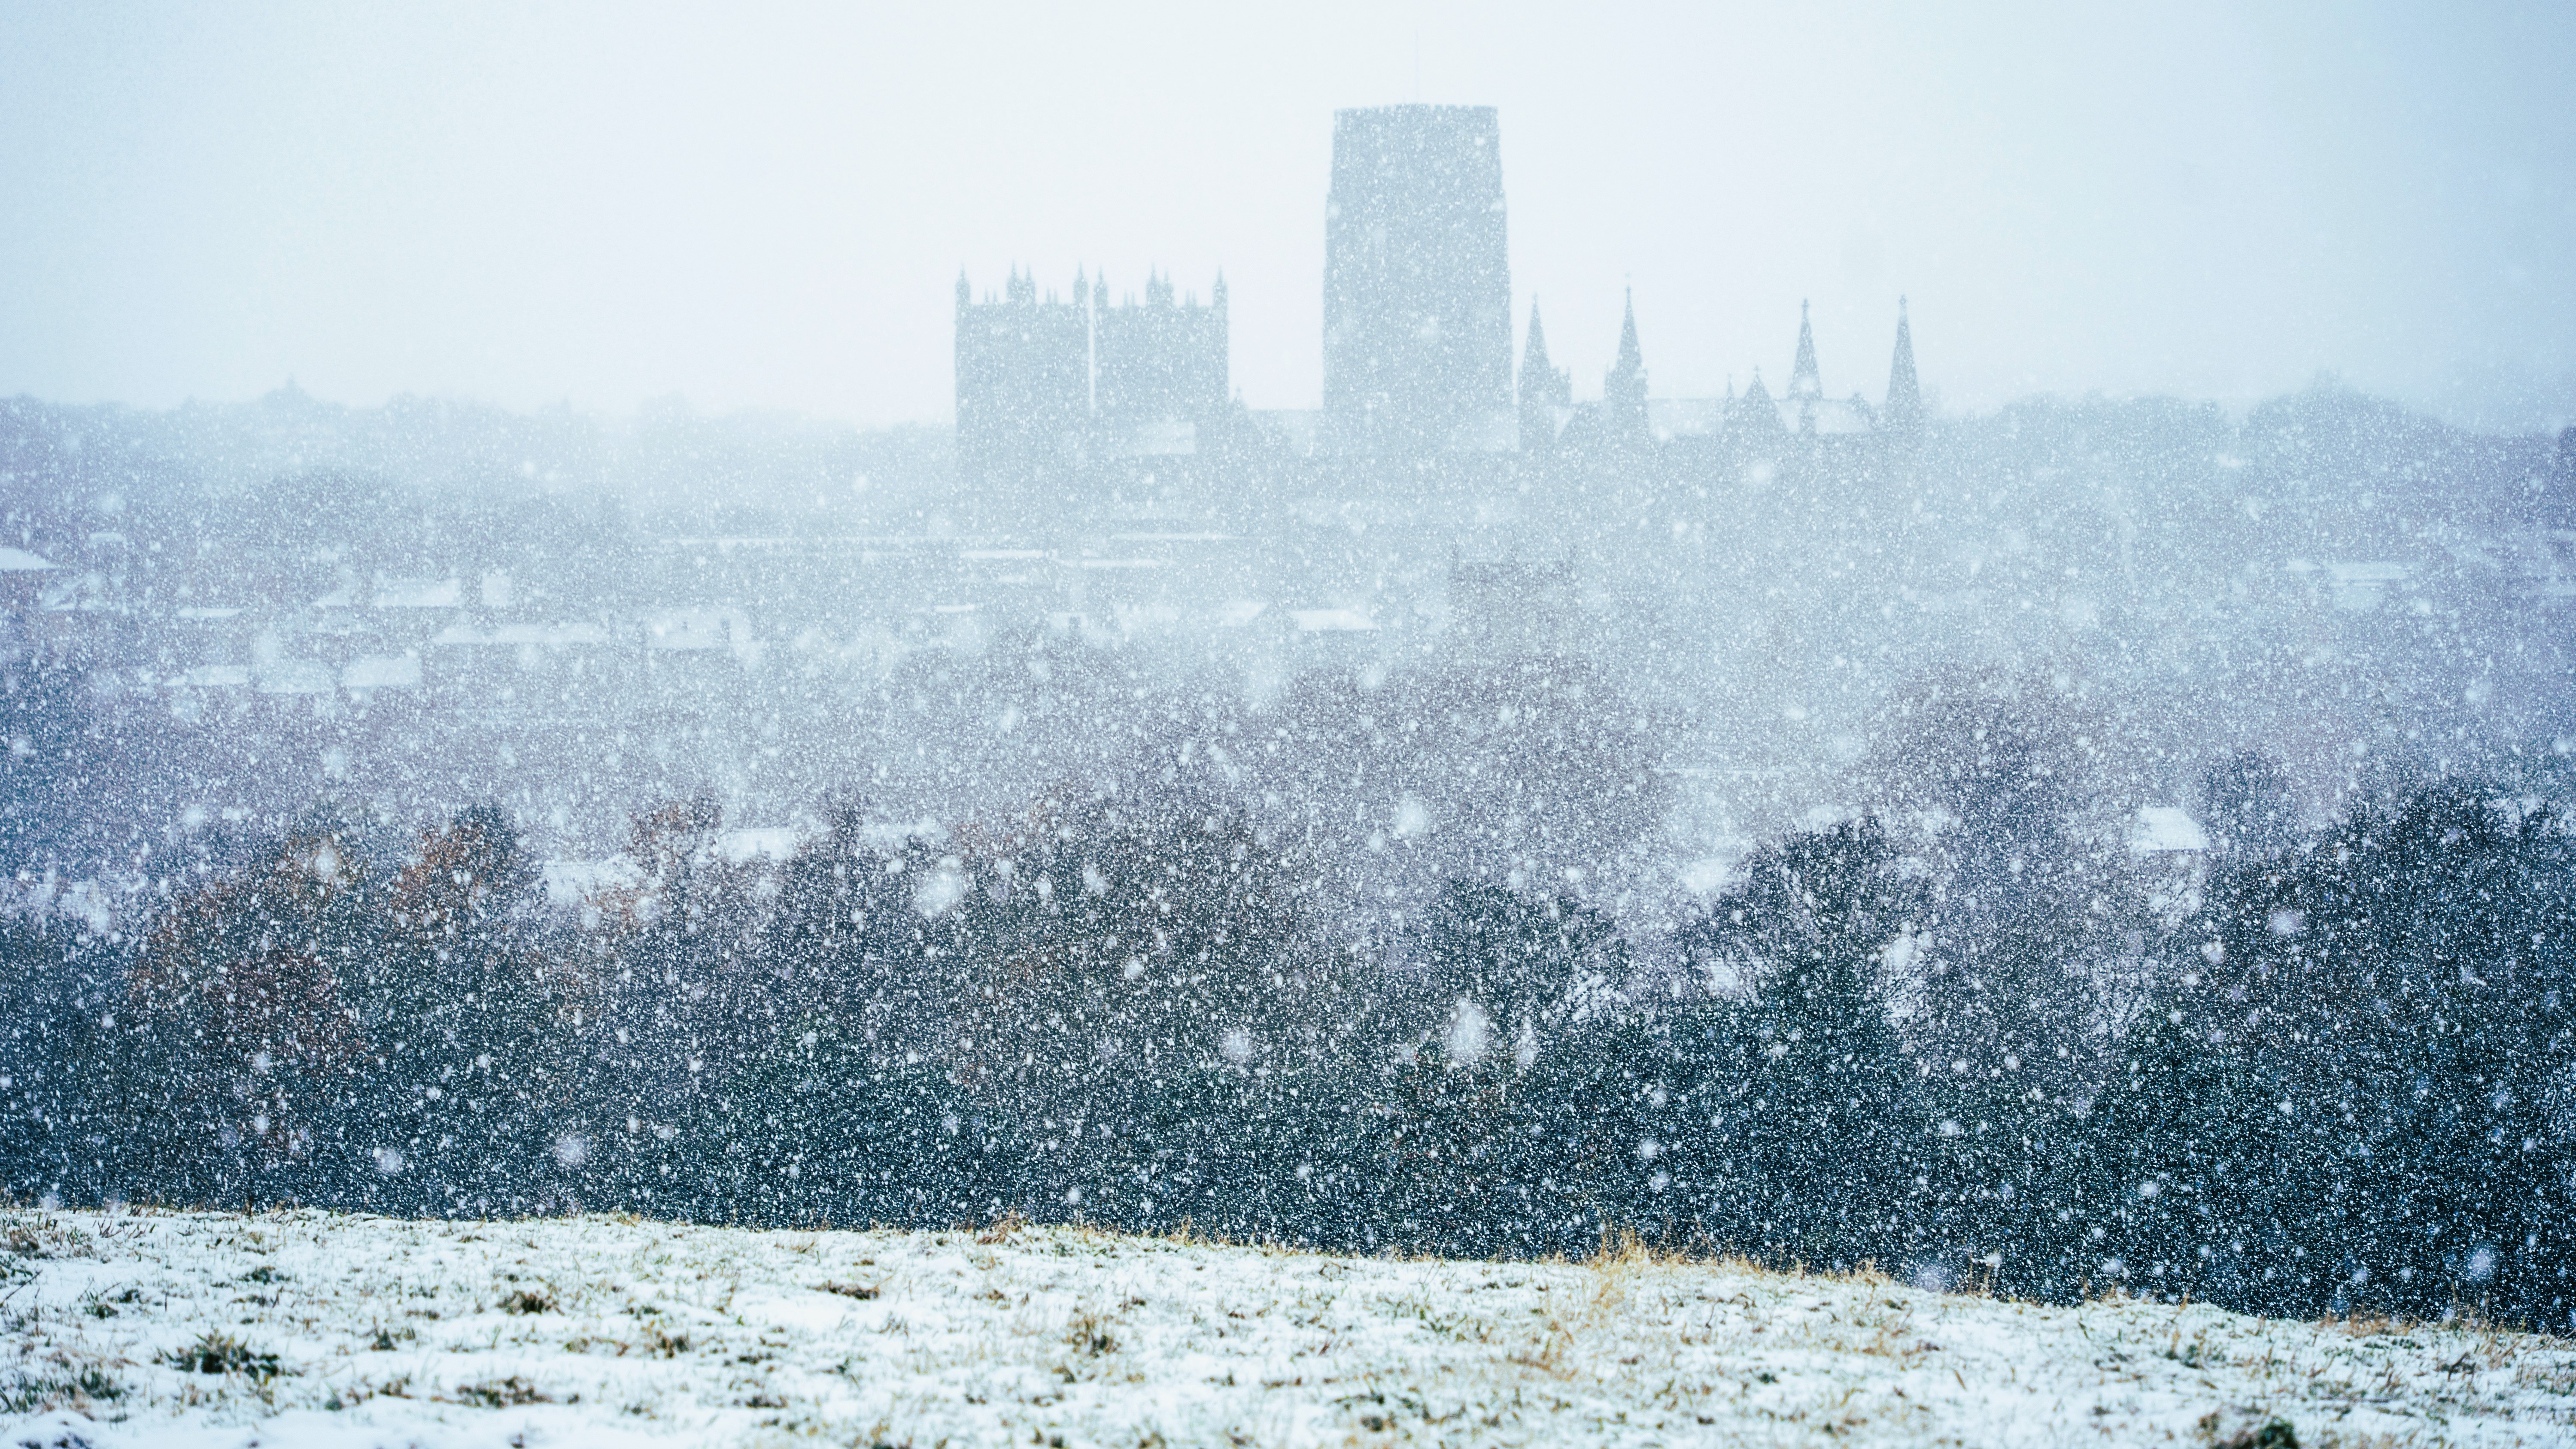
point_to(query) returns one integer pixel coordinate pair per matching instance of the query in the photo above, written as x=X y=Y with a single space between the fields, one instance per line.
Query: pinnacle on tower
x=1534 y=355
x=1904 y=394
x=1544 y=388
x=1805 y=383
x=1752 y=409
x=1632 y=361
x=1541 y=383
x=1623 y=391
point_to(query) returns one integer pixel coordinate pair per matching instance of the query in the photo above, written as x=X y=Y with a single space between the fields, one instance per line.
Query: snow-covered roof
x=382 y=671
x=2161 y=828
x=1135 y=618
x=2354 y=585
x=19 y=561
x=419 y=594
x=297 y=676
x=1332 y=621
x=544 y=635
x=773 y=843
x=702 y=628
x=569 y=882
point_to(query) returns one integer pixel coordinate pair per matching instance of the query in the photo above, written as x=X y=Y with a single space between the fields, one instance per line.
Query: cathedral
x=1417 y=350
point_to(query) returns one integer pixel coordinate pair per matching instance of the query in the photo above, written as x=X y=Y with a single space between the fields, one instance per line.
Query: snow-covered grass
x=305 y=1328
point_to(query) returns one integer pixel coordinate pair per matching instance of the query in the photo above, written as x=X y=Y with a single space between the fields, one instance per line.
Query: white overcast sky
x=767 y=206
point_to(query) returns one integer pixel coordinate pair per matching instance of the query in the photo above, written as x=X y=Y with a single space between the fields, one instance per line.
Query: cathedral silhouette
x=1417 y=353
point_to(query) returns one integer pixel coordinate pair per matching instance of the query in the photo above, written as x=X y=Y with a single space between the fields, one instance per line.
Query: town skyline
x=2206 y=203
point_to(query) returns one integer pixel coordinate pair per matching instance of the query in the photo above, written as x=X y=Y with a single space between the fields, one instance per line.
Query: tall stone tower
x=1417 y=287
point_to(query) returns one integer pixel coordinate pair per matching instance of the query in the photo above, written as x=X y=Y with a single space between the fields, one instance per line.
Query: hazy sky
x=766 y=206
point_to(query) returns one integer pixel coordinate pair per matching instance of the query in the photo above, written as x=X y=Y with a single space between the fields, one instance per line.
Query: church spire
x=1540 y=379
x=1544 y=387
x=1623 y=391
x=1904 y=394
x=1805 y=383
x=1632 y=361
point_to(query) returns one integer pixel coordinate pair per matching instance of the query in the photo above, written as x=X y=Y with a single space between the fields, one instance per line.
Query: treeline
x=2336 y=1072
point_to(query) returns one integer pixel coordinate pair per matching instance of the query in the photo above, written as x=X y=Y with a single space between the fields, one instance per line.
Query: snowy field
x=297 y=1328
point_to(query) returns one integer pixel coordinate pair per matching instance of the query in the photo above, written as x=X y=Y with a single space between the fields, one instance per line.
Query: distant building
x=1159 y=380
x=1417 y=283
x=1756 y=414
x=1043 y=385
x=1417 y=357
x=23 y=576
x=1804 y=408
x=1509 y=608
x=1626 y=421
x=1023 y=381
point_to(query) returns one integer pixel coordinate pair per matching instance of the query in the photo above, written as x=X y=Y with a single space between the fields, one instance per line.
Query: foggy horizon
x=771 y=215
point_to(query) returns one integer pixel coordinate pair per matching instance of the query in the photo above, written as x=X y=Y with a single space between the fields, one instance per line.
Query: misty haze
x=1384 y=729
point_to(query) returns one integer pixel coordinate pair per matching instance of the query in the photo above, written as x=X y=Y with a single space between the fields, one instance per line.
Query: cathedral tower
x=1023 y=382
x=1417 y=286
x=1159 y=368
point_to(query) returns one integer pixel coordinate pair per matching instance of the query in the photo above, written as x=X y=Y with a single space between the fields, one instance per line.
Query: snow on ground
x=309 y=1329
